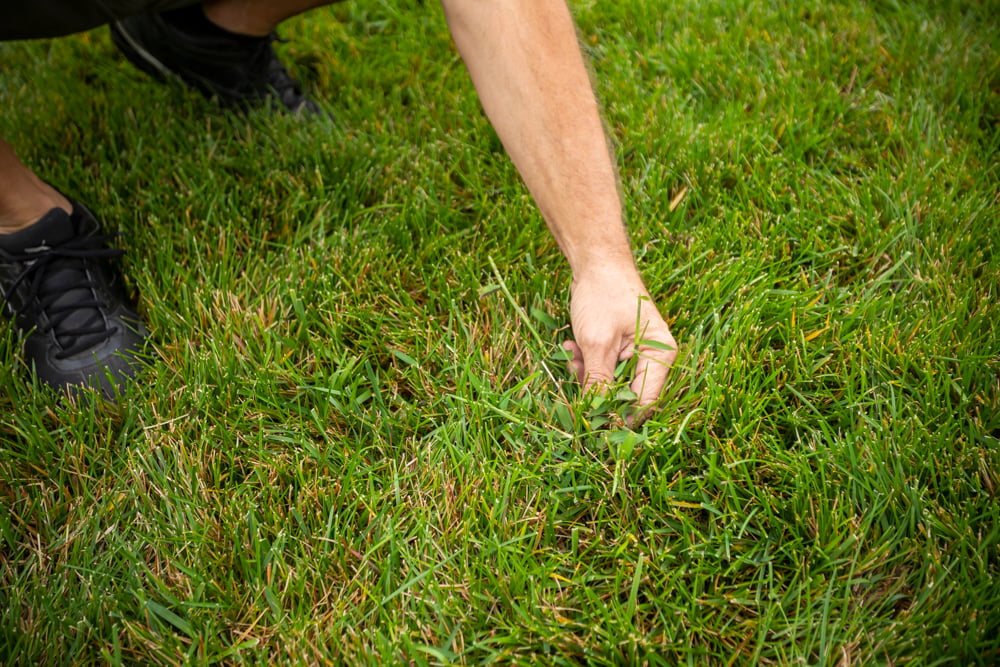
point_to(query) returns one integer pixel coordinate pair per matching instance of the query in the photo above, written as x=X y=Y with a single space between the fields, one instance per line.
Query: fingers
x=651 y=372
x=593 y=368
x=613 y=318
x=596 y=370
x=599 y=369
x=650 y=377
x=575 y=362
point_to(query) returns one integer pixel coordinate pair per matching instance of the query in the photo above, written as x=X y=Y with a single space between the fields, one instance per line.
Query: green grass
x=355 y=449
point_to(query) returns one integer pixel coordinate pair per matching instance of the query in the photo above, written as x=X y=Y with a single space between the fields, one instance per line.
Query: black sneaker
x=58 y=284
x=238 y=70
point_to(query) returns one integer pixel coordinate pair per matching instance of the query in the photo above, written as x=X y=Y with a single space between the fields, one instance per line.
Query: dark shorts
x=31 y=19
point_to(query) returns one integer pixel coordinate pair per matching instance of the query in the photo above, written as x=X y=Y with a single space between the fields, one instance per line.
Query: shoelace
x=66 y=257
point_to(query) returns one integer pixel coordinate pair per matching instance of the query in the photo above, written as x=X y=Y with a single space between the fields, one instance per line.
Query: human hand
x=613 y=319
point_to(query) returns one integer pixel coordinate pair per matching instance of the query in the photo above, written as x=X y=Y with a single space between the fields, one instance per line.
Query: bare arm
x=528 y=69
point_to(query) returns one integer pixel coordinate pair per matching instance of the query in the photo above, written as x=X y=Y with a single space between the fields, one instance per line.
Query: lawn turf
x=360 y=444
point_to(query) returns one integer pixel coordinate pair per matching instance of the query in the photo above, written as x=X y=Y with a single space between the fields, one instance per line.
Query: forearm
x=528 y=69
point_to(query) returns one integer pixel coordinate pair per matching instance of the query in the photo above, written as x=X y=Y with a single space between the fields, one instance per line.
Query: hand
x=614 y=318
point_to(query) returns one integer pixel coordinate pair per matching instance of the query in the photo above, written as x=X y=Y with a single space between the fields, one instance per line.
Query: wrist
x=618 y=267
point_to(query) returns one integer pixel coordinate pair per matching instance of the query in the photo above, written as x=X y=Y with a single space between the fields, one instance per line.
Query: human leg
x=256 y=17
x=24 y=198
